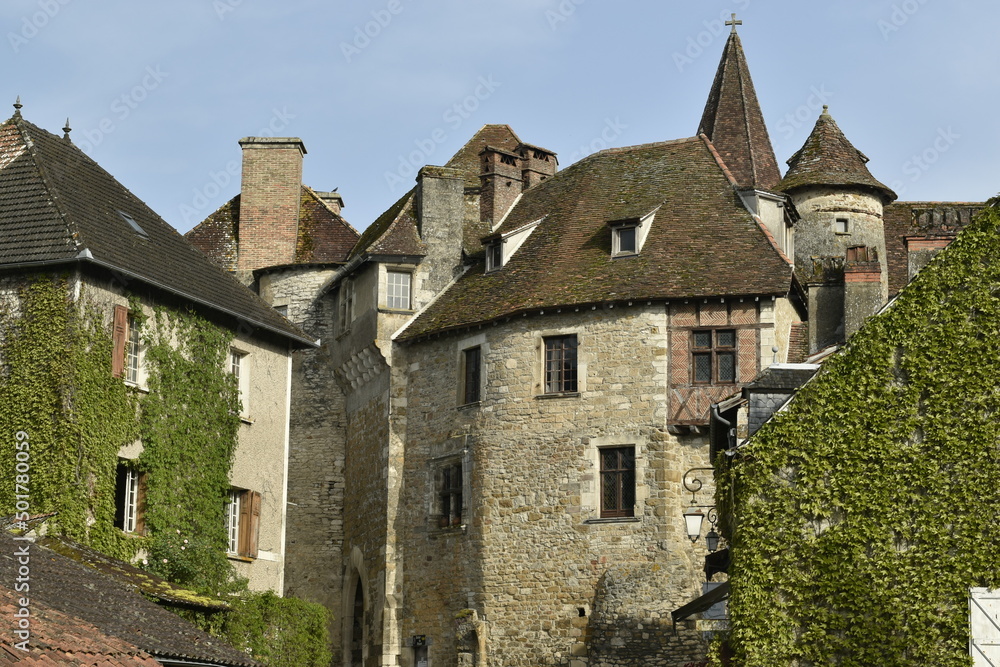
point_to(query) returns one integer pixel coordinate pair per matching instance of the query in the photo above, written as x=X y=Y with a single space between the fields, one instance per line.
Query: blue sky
x=160 y=93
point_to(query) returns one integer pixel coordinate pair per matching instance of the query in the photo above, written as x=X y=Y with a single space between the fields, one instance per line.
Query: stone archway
x=355 y=607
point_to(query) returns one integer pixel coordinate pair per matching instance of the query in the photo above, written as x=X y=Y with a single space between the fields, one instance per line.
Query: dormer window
x=494 y=256
x=625 y=240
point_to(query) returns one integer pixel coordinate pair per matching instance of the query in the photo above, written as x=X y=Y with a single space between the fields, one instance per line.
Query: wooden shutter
x=119 y=338
x=140 y=505
x=984 y=624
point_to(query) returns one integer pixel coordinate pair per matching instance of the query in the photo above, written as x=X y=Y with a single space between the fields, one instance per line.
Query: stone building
x=518 y=366
x=65 y=221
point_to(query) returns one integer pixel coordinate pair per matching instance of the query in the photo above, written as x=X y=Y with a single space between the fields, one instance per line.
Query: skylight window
x=133 y=224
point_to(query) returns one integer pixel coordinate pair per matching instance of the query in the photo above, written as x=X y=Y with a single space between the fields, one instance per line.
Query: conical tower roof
x=828 y=158
x=734 y=122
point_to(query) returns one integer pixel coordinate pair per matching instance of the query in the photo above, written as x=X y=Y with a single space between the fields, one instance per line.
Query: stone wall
x=532 y=554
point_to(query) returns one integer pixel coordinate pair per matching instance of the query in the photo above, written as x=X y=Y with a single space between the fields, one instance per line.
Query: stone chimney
x=500 y=180
x=333 y=200
x=862 y=287
x=270 y=195
x=440 y=221
x=537 y=165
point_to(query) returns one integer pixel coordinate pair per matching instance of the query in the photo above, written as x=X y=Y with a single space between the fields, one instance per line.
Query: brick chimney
x=500 y=181
x=271 y=192
x=862 y=287
x=537 y=165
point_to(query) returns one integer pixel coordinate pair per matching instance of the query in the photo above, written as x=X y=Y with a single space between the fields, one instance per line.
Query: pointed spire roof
x=828 y=158
x=735 y=124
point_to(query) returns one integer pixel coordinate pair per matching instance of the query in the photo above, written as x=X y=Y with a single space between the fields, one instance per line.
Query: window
x=625 y=240
x=471 y=361
x=126 y=353
x=842 y=226
x=346 y=305
x=560 y=364
x=242 y=522
x=450 y=496
x=714 y=356
x=239 y=368
x=494 y=256
x=132 y=352
x=133 y=224
x=617 y=482
x=130 y=499
x=282 y=310
x=397 y=290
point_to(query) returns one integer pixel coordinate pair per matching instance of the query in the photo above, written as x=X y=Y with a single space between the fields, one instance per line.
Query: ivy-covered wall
x=862 y=515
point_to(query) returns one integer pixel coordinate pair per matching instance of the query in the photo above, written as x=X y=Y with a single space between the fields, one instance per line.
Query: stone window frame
x=436 y=474
x=590 y=482
x=238 y=366
x=846 y=231
x=540 y=363
x=399 y=269
x=462 y=347
x=345 y=306
x=619 y=474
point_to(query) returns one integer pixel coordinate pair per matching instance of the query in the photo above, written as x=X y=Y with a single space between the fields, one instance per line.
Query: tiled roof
x=113 y=606
x=734 y=122
x=395 y=231
x=828 y=158
x=702 y=242
x=783 y=377
x=60 y=639
x=921 y=219
x=323 y=235
x=59 y=206
x=798 y=342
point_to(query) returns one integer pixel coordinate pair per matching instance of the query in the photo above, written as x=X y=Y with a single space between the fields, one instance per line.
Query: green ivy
x=274 y=630
x=189 y=427
x=56 y=386
x=864 y=513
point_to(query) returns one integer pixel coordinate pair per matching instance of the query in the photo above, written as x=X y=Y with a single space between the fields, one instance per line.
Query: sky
x=159 y=93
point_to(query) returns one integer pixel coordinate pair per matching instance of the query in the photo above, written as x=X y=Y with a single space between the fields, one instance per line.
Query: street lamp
x=693 y=515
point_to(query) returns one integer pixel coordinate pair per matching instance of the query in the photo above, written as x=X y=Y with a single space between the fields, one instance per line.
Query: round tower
x=840 y=251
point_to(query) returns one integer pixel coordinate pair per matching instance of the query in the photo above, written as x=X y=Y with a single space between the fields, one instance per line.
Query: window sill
x=242 y=559
x=468 y=406
x=448 y=530
x=138 y=387
x=245 y=419
x=396 y=311
x=621 y=255
x=614 y=519
x=559 y=394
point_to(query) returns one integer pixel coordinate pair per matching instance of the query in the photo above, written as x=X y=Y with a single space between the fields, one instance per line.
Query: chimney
x=500 y=182
x=441 y=223
x=862 y=287
x=538 y=164
x=333 y=200
x=270 y=195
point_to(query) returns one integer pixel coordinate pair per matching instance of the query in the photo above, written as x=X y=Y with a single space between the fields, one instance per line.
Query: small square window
x=560 y=364
x=625 y=241
x=472 y=361
x=617 y=482
x=842 y=226
x=397 y=290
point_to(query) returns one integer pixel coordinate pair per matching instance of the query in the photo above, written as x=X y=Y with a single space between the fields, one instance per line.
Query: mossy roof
x=702 y=243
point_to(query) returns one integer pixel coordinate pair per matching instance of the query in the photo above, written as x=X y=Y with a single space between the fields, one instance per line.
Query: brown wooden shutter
x=255 y=499
x=119 y=338
x=244 y=535
x=140 y=505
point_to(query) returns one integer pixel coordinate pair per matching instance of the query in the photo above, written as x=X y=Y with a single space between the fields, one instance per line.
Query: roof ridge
x=322 y=201
x=72 y=229
x=652 y=144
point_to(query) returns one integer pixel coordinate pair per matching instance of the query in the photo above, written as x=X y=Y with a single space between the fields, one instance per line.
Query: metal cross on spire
x=734 y=23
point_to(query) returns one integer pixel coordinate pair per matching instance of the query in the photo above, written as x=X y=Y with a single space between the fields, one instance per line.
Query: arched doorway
x=358 y=627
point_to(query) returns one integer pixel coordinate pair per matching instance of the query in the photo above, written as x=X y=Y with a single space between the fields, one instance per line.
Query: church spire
x=734 y=122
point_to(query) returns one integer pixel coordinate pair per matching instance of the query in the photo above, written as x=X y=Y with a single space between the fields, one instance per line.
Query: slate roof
x=395 y=231
x=702 y=242
x=734 y=122
x=828 y=158
x=324 y=237
x=920 y=219
x=59 y=639
x=58 y=206
x=113 y=606
x=783 y=377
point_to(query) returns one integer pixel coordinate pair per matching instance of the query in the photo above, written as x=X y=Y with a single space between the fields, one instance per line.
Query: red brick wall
x=269 y=202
